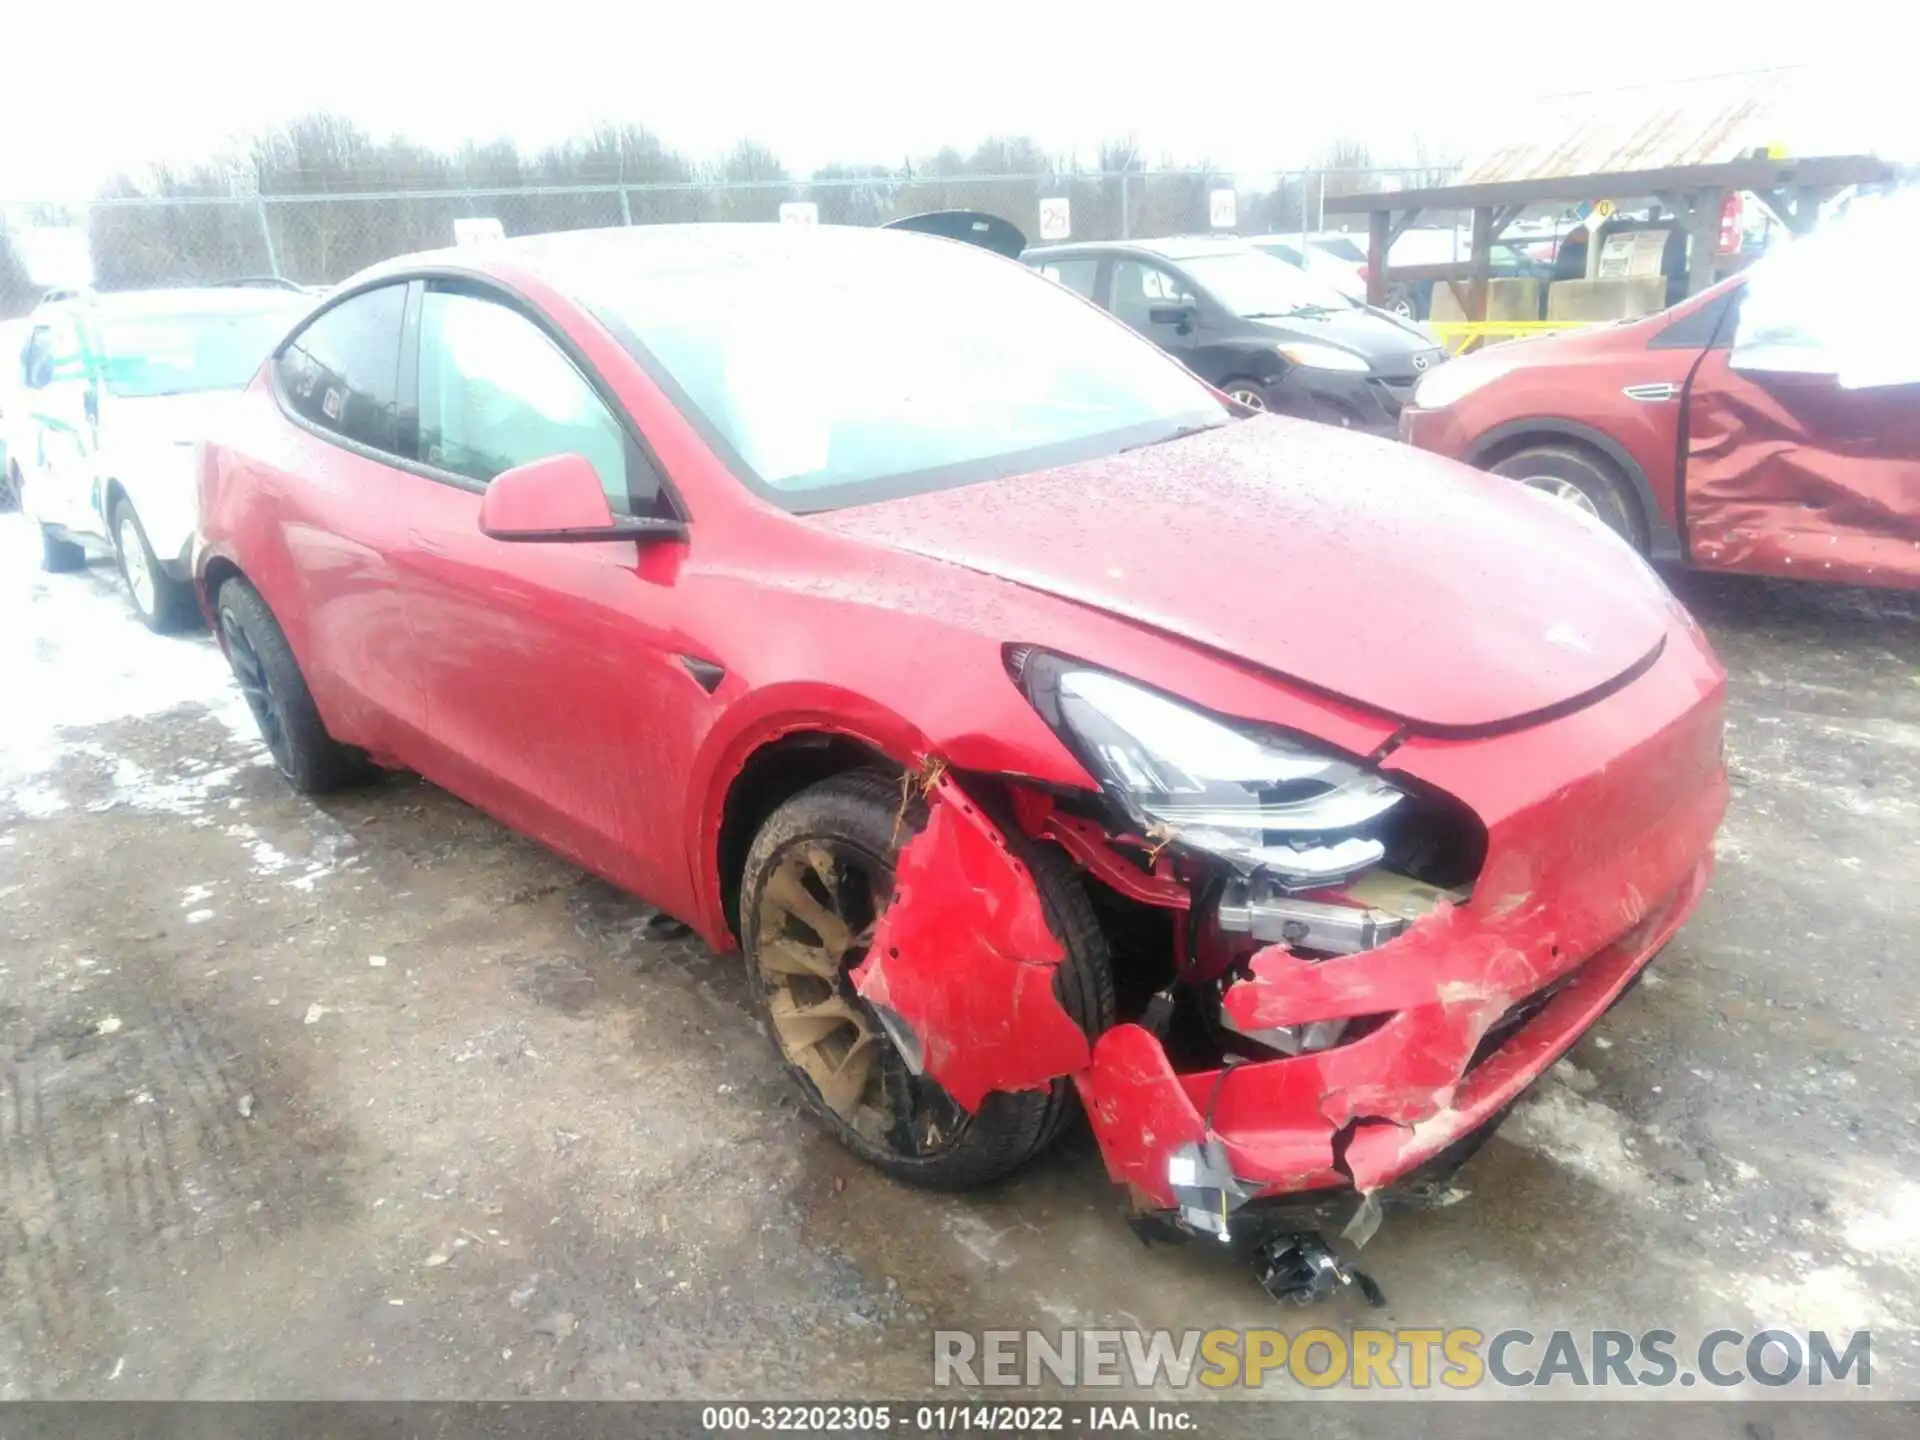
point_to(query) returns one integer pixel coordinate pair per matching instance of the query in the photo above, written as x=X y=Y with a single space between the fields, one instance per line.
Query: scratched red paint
x=964 y=957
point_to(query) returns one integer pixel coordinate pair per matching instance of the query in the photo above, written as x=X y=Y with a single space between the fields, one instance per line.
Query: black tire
x=58 y=556
x=263 y=664
x=1237 y=385
x=1010 y=1128
x=172 y=607
x=1594 y=477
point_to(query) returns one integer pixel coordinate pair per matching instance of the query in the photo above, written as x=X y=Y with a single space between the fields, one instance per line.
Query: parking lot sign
x=1222 y=209
x=1056 y=218
x=477 y=230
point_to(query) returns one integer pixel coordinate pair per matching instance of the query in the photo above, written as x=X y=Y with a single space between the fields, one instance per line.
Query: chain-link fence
x=321 y=236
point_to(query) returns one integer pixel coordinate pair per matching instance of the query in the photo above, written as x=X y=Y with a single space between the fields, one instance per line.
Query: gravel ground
x=371 y=1098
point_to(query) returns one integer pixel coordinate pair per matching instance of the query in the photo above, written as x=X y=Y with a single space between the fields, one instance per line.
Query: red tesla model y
x=1039 y=725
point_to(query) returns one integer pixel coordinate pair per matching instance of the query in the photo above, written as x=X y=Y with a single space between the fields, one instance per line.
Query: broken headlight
x=1260 y=800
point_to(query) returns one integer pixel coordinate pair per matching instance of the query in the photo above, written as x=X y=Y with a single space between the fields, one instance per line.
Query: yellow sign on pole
x=1603 y=209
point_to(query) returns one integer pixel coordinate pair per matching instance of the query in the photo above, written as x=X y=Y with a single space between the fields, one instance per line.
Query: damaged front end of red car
x=1334 y=973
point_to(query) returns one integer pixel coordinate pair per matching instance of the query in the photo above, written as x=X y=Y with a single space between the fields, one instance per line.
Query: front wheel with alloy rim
x=276 y=692
x=1581 y=480
x=1250 y=393
x=164 y=603
x=819 y=875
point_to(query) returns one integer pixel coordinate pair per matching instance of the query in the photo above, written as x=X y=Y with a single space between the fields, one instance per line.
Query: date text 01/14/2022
x=944 y=1419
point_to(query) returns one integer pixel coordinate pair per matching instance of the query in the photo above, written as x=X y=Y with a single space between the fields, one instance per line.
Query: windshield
x=1250 y=284
x=1816 y=305
x=149 y=355
x=850 y=371
x=1341 y=248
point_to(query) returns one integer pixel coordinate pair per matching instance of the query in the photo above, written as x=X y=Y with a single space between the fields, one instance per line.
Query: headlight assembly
x=1260 y=800
x=1455 y=380
x=1315 y=356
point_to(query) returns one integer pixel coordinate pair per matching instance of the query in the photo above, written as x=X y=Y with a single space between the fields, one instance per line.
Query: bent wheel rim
x=1565 y=491
x=133 y=563
x=254 y=684
x=815 y=922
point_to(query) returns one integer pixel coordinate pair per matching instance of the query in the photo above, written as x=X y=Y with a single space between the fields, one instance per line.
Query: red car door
x=555 y=697
x=1790 y=473
x=325 y=518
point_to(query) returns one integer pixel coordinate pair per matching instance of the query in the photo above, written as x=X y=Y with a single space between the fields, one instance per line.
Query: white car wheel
x=133 y=562
x=164 y=603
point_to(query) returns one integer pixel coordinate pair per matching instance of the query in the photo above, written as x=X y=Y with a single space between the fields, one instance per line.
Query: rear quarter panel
x=305 y=522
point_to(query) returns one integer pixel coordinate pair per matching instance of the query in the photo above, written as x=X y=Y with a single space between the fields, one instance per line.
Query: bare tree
x=1348 y=164
x=319 y=197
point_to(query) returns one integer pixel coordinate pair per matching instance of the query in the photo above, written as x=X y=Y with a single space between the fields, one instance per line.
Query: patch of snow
x=83 y=660
x=1833 y=1298
x=1886 y=1228
x=1586 y=1136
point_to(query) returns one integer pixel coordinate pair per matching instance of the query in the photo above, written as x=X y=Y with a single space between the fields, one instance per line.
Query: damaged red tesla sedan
x=1036 y=723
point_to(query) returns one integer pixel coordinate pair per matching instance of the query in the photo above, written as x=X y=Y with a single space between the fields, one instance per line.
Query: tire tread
x=317 y=763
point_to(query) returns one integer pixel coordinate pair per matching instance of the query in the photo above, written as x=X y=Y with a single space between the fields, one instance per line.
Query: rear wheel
x=819 y=875
x=1582 y=480
x=164 y=603
x=58 y=556
x=312 y=760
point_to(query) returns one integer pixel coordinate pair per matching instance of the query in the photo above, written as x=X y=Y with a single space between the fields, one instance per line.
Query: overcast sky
x=88 y=90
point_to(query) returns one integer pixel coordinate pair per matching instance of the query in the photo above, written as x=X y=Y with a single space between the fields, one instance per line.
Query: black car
x=1269 y=335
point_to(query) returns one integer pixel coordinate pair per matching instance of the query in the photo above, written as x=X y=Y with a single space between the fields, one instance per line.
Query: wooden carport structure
x=1793 y=189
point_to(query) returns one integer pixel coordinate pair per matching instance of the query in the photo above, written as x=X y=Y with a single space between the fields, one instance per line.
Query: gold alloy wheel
x=816 y=916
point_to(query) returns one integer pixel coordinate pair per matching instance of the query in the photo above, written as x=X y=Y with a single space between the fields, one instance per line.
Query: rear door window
x=1140 y=289
x=341 y=373
x=1077 y=275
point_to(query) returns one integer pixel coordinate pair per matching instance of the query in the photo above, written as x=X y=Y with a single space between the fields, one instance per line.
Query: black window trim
x=1711 y=318
x=407 y=378
x=278 y=386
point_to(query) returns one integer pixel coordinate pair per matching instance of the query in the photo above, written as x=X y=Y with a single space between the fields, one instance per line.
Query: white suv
x=118 y=388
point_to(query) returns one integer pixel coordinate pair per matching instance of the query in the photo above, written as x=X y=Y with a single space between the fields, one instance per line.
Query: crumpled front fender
x=962 y=965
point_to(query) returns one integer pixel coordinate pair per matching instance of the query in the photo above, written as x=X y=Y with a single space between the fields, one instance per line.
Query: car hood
x=1389 y=342
x=1397 y=580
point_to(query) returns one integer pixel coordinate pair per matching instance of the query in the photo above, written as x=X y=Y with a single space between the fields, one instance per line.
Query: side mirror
x=560 y=500
x=1181 y=317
